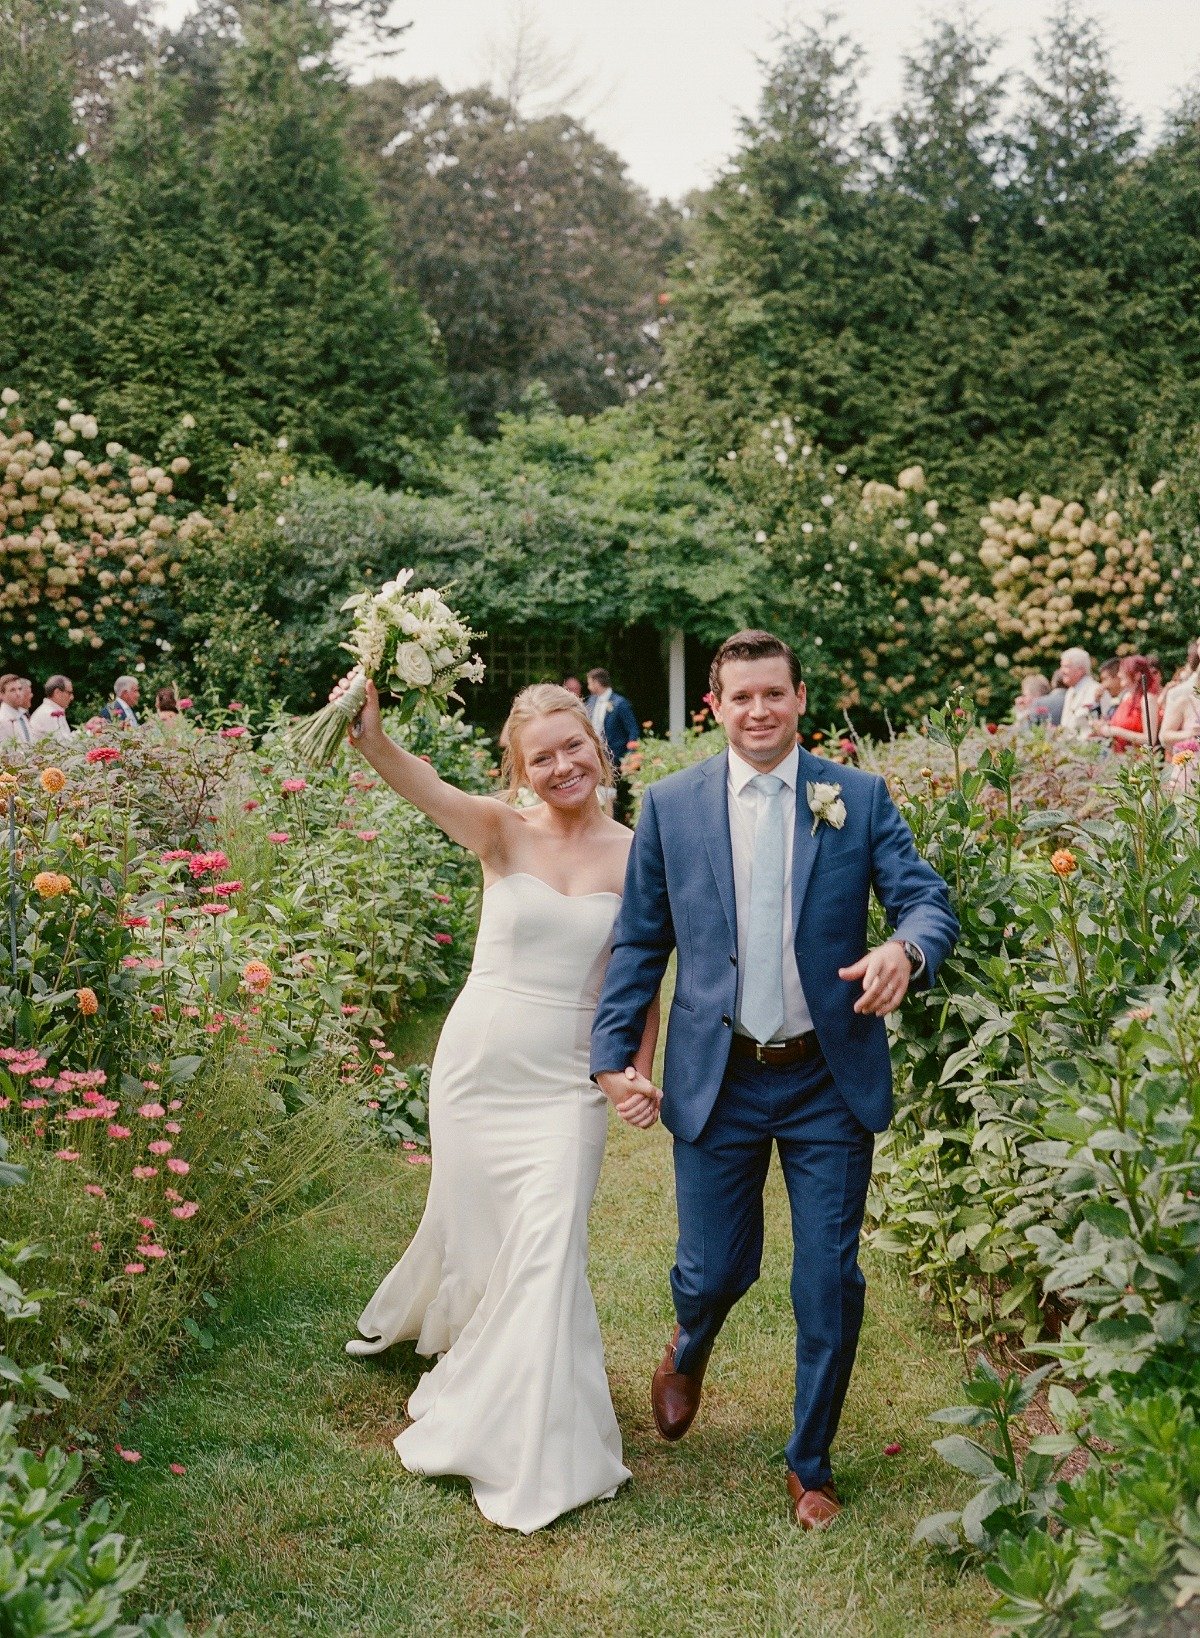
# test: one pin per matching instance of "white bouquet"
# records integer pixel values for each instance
(410, 643)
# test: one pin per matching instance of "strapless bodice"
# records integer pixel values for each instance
(544, 944)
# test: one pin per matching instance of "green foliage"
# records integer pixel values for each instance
(991, 286)
(523, 238)
(1017, 1493)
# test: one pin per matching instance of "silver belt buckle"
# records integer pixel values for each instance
(760, 1052)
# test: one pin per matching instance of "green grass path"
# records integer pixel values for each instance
(295, 1516)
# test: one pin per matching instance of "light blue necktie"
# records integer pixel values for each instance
(762, 983)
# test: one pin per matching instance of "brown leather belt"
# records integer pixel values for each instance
(781, 1054)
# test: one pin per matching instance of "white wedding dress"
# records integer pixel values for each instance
(495, 1279)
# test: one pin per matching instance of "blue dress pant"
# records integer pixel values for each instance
(825, 1153)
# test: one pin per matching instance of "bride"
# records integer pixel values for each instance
(495, 1279)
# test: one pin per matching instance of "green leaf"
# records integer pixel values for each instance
(967, 1456)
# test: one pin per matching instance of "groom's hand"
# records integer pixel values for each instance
(885, 973)
(635, 1098)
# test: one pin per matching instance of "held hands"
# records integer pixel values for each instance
(368, 725)
(635, 1098)
(885, 974)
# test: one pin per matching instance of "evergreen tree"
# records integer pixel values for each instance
(326, 350)
(161, 343)
(46, 235)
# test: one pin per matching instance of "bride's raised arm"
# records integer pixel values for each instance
(475, 822)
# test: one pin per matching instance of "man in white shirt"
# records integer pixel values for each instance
(1082, 695)
(14, 722)
(50, 718)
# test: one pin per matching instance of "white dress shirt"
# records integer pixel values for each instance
(598, 709)
(1077, 716)
(744, 801)
(49, 719)
(14, 724)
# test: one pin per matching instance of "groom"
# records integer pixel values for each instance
(757, 867)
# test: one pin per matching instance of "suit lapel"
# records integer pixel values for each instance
(713, 798)
(805, 846)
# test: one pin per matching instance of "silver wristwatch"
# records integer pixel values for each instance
(916, 956)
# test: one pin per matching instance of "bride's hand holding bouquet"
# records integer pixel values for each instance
(409, 642)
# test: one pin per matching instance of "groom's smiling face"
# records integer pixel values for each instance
(760, 709)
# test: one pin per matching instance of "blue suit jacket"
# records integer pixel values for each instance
(620, 726)
(679, 894)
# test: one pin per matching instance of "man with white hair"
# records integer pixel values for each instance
(50, 718)
(1082, 696)
(120, 709)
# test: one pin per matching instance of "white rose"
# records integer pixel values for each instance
(412, 666)
(443, 659)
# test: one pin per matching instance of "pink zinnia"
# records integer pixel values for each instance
(66, 1154)
(224, 889)
(178, 1467)
(235, 732)
(215, 909)
(366, 835)
(130, 1455)
(134, 1268)
(189, 1208)
(175, 1103)
(103, 753)
(443, 938)
(146, 1222)
(137, 921)
(172, 1126)
(151, 1111)
(172, 1194)
(34, 1103)
(95, 1189)
(144, 1173)
(291, 786)
(184, 705)
(97, 1245)
(179, 1167)
(116, 1131)
(201, 864)
(249, 807)
(152, 1251)
(442, 898)
(160, 1146)
(279, 836)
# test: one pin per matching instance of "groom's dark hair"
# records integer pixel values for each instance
(752, 645)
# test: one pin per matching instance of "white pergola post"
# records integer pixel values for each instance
(676, 687)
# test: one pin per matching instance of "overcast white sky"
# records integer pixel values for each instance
(669, 78)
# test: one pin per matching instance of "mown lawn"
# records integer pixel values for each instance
(295, 1516)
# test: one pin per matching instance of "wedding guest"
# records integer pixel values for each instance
(1029, 708)
(121, 708)
(1135, 720)
(166, 706)
(1054, 700)
(14, 722)
(573, 686)
(1082, 693)
(1110, 687)
(50, 718)
(613, 719)
(1180, 719)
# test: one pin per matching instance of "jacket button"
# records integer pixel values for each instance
(733, 960)
(727, 1020)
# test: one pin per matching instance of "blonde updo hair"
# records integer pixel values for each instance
(544, 700)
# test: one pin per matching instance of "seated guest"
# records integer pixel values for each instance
(1056, 699)
(120, 709)
(1110, 687)
(1179, 704)
(1030, 705)
(14, 721)
(1135, 720)
(1082, 692)
(50, 718)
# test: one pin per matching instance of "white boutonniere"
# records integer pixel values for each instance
(826, 805)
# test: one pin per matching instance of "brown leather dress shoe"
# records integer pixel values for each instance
(814, 1509)
(674, 1397)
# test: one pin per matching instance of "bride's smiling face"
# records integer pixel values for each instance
(562, 766)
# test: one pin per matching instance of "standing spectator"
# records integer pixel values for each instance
(1029, 708)
(1110, 687)
(613, 719)
(120, 709)
(573, 686)
(1135, 720)
(1082, 693)
(50, 718)
(1053, 701)
(166, 706)
(14, 723)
